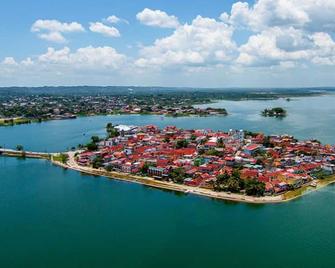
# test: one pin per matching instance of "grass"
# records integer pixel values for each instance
(306, 188)
(60, 158)
(295, 193)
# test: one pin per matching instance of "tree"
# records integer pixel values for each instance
(181, 144)
(144, 169)
(19, 147)
(236, 173)
(109, 168)
(91, 146)
(95, 139)
(220, 143)
(214, 152)
(233, 185)
(197, 162)
(112, 131)
(222, 178)
(177, 175)
(267, 142)
(97, 162)
(254, 187)
(64, 158)
(166, 140)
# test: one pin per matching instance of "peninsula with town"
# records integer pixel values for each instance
(235, 165)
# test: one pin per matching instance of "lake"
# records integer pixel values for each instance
(52, 217)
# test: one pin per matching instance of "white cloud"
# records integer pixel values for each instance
(204, 41)
(56, 37)
(86, 65)
(27, 62)
(313, 15)
(103, 29)
(157, 18)
(86, 57)
(295, 34)
(115, 20)
(9, 61)
(52, 30)
(280, 46)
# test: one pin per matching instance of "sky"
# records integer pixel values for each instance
(192, 43)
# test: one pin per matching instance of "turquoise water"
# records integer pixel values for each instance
(312, 117)
(50, 217)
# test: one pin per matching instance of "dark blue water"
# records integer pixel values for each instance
(50, 217)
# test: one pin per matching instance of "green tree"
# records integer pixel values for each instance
(64, 158)
(144, 169)
(97, 162)
(109, 168)
(92, 146)
(19, 147)
(181, 144)
(220, 143)
(112, 131)
(267, 142)
(177, 175)
(254, 187)
(222, 178)
(166, 140)
(233, 185)
(95, 139)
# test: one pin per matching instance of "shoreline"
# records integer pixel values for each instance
(170, 186)
(151, 182)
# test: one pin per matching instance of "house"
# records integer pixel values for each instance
(328, 168)
(252, 149)
(156, 171)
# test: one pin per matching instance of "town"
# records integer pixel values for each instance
(37, 108)
(27, 105)
(236, 161)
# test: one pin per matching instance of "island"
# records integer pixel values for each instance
(274, 112)
(235, 165)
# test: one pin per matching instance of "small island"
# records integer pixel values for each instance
(274, 112)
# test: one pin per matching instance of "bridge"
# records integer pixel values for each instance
(29, 154)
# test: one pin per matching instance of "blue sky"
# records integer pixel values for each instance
(214, 43)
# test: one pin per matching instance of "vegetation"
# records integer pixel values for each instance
(254, 187)
(19, 147)
(95, 139)
(26, 105)
(144, 169)
(274, 112)
(177, 175)
(111, 131)
(181, 144)
(233, 183)
(93, 146)
(63, 158)
(97, 162)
